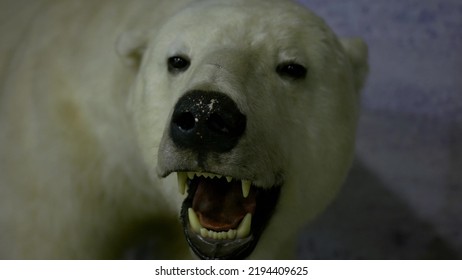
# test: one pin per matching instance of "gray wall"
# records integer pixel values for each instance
(403, 199)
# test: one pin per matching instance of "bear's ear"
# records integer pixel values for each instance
(357, 52)
(131, 46)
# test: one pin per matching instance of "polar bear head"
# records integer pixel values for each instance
(253, 104)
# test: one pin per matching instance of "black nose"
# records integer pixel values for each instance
(207, 121)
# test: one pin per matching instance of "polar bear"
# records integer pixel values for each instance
(216, 127)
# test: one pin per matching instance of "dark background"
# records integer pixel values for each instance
(403, 199)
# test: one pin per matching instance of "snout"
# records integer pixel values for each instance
(209, 145)
(206, 121)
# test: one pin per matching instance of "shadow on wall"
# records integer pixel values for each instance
(367, 221)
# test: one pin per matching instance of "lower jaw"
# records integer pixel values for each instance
(208, 249)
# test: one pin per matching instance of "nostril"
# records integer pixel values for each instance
(184, 121)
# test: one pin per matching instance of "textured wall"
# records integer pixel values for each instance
(404, 196)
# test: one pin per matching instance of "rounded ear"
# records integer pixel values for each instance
(130, 46)
(357, 52)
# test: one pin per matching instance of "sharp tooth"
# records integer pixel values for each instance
(191, 175)
(245, 188)
(194, 221)
(219, 176)
(229, 179)
(244, 227)
(182, 176)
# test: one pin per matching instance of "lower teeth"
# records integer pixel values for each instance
(230, 234)
(242, 231)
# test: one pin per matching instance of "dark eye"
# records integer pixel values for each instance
(178, 64)
(291, 70)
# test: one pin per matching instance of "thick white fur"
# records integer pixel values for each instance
(80, 130)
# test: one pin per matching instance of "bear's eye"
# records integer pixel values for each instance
(178, 64)
(291, 70)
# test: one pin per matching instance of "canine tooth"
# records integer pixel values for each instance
(244, 227)
(229, 179)
(194, 221)
(182, 176)
(245, 188)
(191, 175)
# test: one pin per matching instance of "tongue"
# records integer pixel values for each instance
(220, 205)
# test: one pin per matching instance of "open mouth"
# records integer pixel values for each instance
(224, 217)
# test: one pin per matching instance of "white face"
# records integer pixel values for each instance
(263, 98)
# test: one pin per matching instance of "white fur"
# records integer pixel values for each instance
(80, 131)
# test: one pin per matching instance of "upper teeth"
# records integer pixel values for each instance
(245, 188)
(181, 182)
(183, 176)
